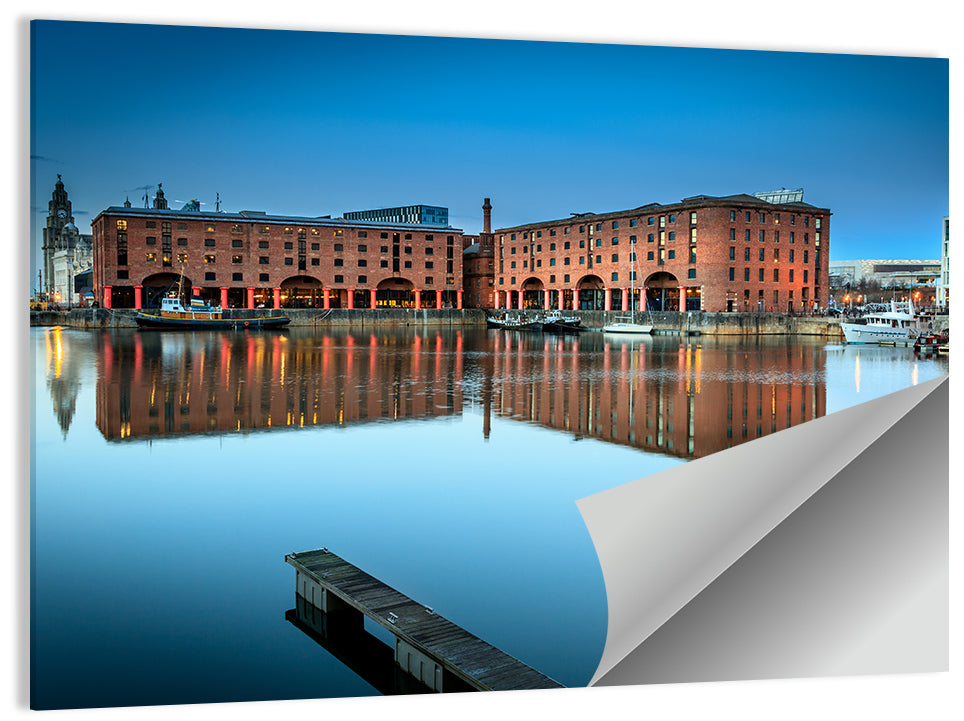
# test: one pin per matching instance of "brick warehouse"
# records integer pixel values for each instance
(251, 259)
(716, 254)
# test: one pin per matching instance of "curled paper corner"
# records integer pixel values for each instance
(867, 552)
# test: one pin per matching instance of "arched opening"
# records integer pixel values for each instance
(662, 292)
(302, 291)
(396, 293)
(532, 293)
(156, 287)
(591, 293)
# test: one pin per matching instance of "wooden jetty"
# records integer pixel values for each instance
(427, 646)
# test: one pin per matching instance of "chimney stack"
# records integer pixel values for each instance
(486, 216)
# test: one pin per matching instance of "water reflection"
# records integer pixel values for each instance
(685, 398)
(343, 635)
(63, 377)
(171, 384)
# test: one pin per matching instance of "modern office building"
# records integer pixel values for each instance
(885, 273)
(729, 253)
(250, 259)
(418, 214)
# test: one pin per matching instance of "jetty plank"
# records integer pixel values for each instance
(463, 654)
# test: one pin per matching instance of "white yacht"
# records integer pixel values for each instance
(892, 325)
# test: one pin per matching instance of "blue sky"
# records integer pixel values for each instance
(321, 123)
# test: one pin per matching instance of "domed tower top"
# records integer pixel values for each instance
(159, 202)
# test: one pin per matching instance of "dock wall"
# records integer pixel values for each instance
(695, 322)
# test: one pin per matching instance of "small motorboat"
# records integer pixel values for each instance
(556, 322)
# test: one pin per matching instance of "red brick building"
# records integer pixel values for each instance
(251, 259)
(731, 253)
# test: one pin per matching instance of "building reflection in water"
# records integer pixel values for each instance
(171, 384)
(684, 398)
(687, 399)
(63, 376)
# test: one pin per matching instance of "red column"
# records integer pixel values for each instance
(418, 299)
(374, 302)
(545, 303)
(351, 298)
(682, 298)
(625, 299)
(458, 299)
(250, 298)
(224, 297)
(607, 298)
(107, 293)
(575, 299)
(521, 303)
(562, 300)
(277, 297)
(137, 296)
(327, 299)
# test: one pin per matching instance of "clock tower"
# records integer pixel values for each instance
(58, 215)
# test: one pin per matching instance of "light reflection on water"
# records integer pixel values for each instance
(173, 471)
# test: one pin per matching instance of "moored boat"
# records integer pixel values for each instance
(892, 326)
(173, 315)
(628, 327)
(505, 322)
(932, 342)
(628, 324)
(556, 322)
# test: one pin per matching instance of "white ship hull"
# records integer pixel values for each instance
(627, 328)
(856, 333)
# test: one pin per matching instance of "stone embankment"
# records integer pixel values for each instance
(695, 322)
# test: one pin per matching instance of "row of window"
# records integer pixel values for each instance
(264, 245)
(266, 277)
(597, 227)
(761, 272)
(632, 276)
(614, 258)
(776, 236)
(776, 255)
(762, 218)
(302, 233)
